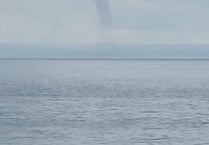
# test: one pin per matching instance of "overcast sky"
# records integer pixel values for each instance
(76, 21)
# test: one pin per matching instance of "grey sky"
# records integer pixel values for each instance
(76, 21)
(52, 23)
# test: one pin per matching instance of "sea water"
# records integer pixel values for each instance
(113, 102)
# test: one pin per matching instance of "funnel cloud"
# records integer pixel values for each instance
(103, 8)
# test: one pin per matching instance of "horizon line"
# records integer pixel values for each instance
(107, 59)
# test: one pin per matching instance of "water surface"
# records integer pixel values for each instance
(93, 102)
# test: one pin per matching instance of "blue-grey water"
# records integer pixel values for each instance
(94, 102)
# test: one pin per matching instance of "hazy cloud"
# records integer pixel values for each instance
(77, 22)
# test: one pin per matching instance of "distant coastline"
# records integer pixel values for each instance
(103, 51)
(105, 59)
